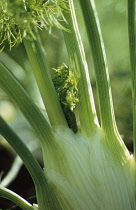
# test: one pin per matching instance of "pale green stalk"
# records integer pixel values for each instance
(12, 173)
(86, 107)
(12, 87)
(16, 166)
(15, 198)
(132, 47)
(107, 117)
(44, 82)
(91, 169)
(45, 195)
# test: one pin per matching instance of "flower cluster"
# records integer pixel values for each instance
(66, 87)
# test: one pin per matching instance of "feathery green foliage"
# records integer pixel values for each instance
(18, 18)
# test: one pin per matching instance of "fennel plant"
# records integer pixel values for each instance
(86, 163)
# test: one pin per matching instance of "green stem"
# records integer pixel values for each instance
(107, 117)
(132, 47)
(45, 195)
(44, 81)
(19, 201)
(12, 87)
(86, 107)
(12, 173)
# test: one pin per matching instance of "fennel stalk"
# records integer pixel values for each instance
(90, 168)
